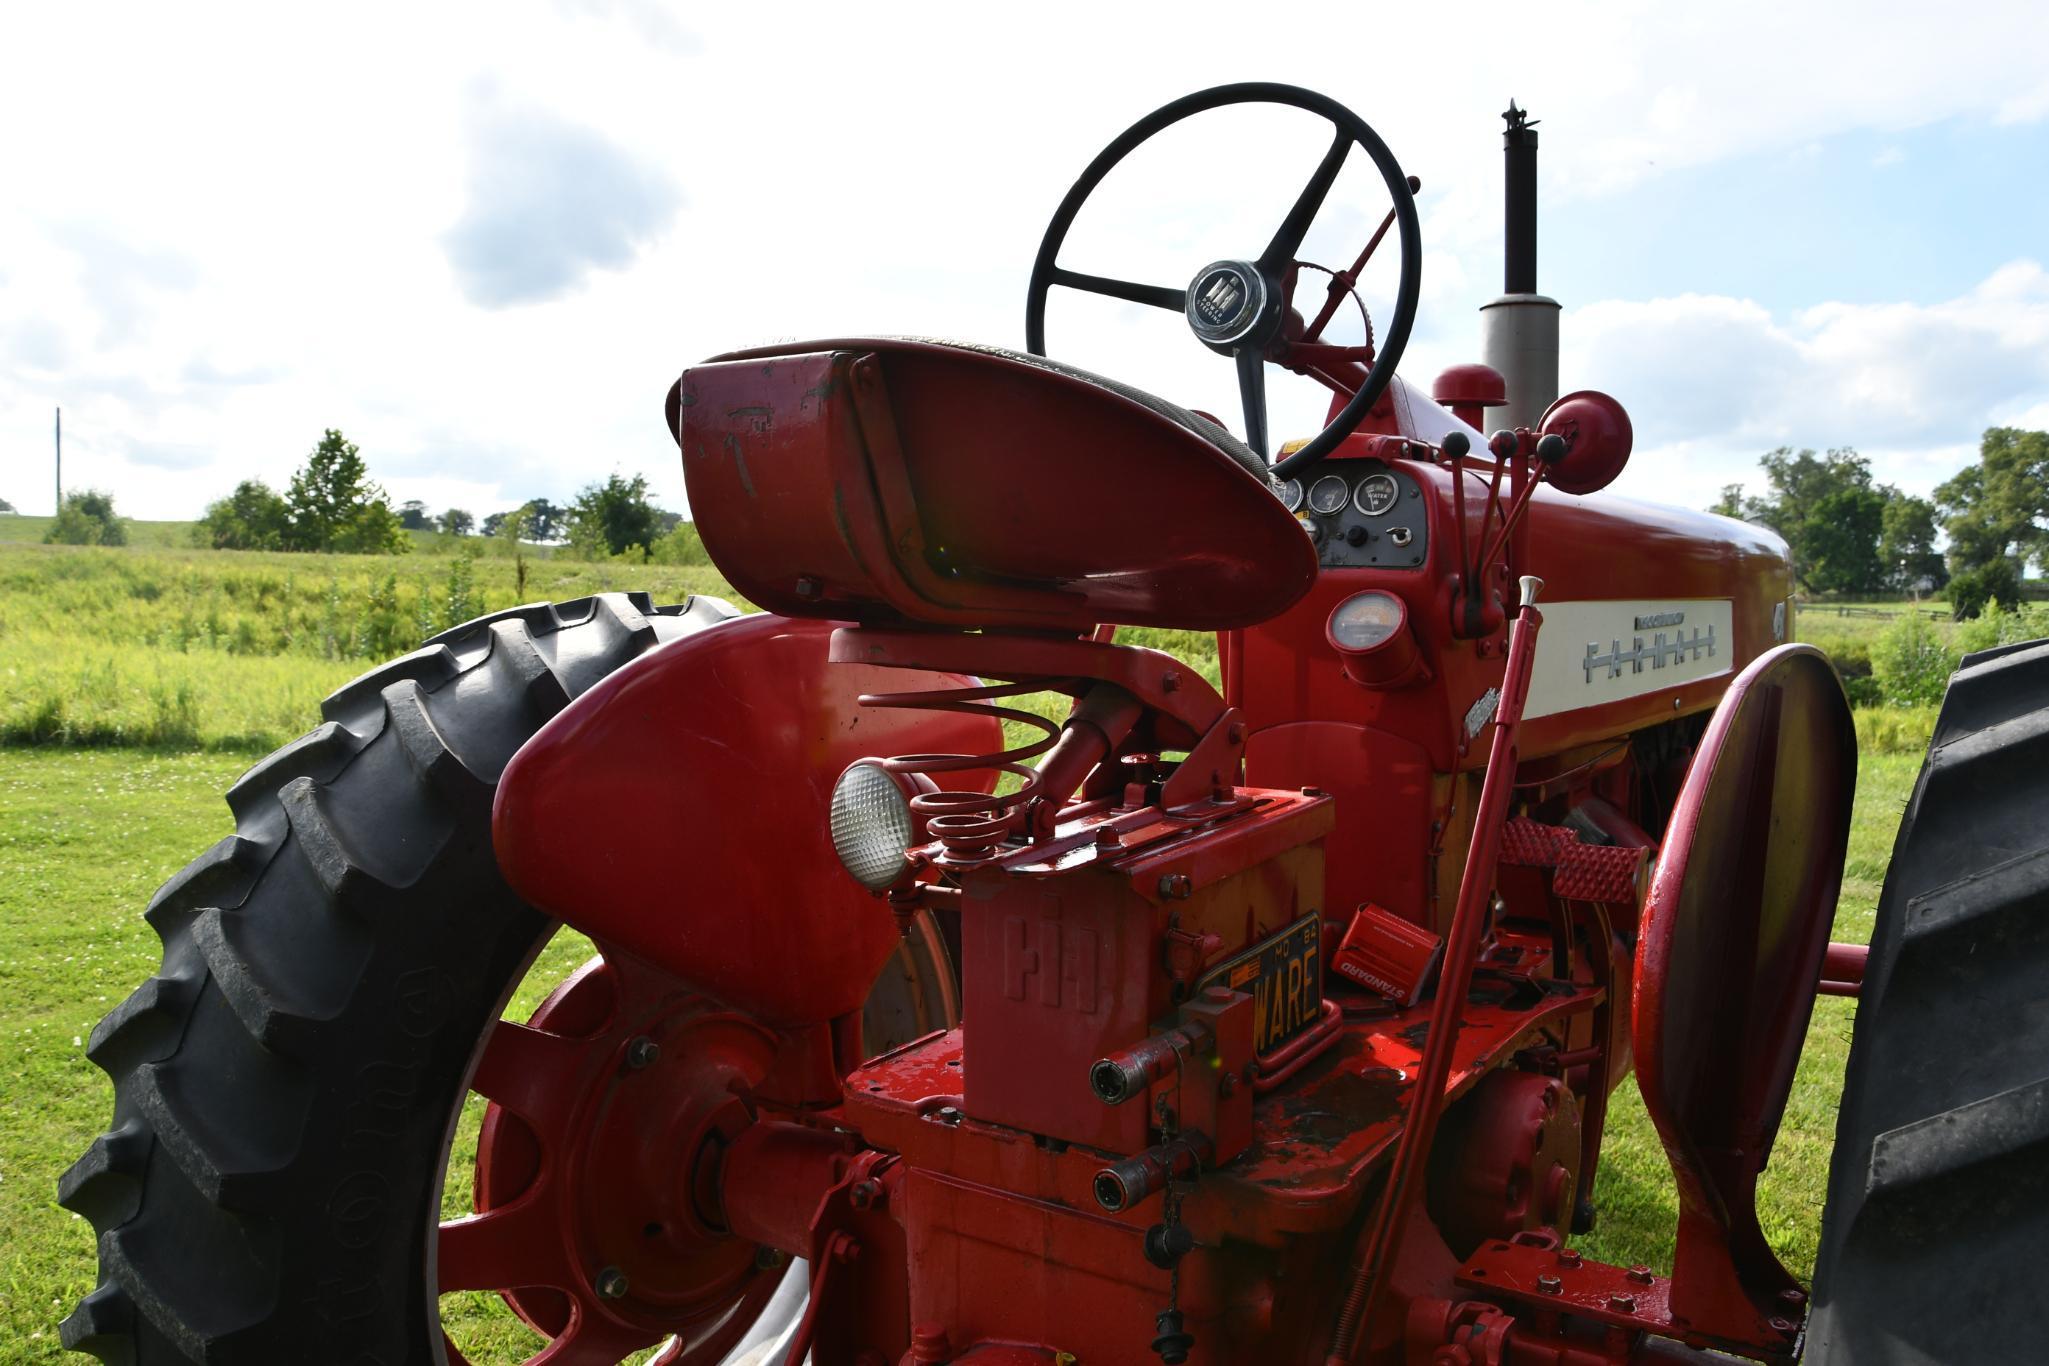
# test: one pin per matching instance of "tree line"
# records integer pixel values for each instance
(332, 504)
(1850, 534)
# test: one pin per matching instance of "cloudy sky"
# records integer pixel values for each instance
(482, 240)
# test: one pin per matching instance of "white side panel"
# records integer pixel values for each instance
(1603, 651)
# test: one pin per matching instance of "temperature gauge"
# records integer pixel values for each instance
(1376, 494)
(1327, 494)
(1289, 491)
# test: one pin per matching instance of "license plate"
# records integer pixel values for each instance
(1283, 974)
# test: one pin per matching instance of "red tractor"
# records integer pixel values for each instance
(1272, 1021)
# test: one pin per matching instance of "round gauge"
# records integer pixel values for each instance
(1327, 494)
(1376, 494)
(1289, 491)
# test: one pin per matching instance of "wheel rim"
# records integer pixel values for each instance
(596, 1216)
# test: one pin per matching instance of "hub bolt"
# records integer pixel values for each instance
(642, 1052)
(1550, 1285)
(1622, 1304)
(1641, 1275)
(1784, 1326)
(1567, 1256)
(611, 1284)
(1792, 1298)
(949, 1114)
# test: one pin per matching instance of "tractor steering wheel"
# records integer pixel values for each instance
(1240, 308)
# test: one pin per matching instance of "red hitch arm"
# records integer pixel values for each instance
(1382, 1243)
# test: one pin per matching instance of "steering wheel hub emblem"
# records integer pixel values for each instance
(1226, 300)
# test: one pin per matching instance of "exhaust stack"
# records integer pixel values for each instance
(1519, 330)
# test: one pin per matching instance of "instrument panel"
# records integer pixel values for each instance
(1362, 514)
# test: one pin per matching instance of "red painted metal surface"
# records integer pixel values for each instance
(1597, 438)
(1733, 938)
(583, 1221)
(873, 480)
(1380, 1246)
(706, 767)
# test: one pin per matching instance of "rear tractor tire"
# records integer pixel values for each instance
(1938, 1205)
(288, 1085)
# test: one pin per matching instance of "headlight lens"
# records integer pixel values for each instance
(871, 825)
(1364, 620)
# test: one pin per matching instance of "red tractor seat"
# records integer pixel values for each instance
(892, 480)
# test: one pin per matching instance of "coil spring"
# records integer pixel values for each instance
(969, 825)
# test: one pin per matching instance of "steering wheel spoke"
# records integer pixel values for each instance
(1252, 393)
(1159, 296)
(1287, 239)
(1243, 307)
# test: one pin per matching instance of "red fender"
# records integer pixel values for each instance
(1734, 933)
(678, 810)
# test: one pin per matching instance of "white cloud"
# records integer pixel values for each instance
(1713, 382)
(265, 198)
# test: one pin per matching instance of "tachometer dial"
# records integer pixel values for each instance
(1327, 494)
(1376, 494)
(1289, 491)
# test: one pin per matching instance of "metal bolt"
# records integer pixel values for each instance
(1567, 1256)
(1107, 837)
(1793, 1298)
(1784, 1326)
(949, 1114)
(641, 1052)
(1550, 1285)
(1176, 886)
(1170, 681)
(1622, 1304)
(864, 1194)
(611, 1284)
(807, 587)
(1235, 733)
(769, 1258)
(1227, 1085)
(1640, 1274)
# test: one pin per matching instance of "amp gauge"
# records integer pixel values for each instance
(1289, 491)
(1376, 494)
(1327, 494)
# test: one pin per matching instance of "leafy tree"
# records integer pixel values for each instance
(87, 518)
(1906, 545)
(253, 517)
(1970, 590)
(412, 515)
(6, 507)
(2000, 506)
(456, 522)
(1828, 511)
(514, 526)
(611, 517)
(547, 522)
(335, 505)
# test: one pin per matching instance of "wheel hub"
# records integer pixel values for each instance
(597, 1214)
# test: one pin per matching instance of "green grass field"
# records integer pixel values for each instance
(136, 683)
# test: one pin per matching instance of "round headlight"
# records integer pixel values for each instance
(871, 825)
(1364, 620)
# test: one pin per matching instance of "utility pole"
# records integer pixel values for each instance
(60, 464)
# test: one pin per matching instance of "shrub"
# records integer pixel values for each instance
(87, 518)
(1970, 589)
(253, 517)
(1911, 662)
